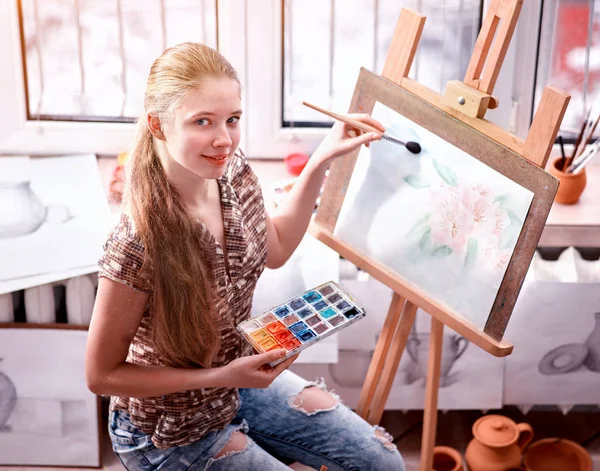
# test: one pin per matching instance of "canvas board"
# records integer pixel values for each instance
(389, 219)
(55, 218)
(442, 220)
(48, 415)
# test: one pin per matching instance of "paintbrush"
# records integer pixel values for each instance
(569, 160)
(412, 146)
(585, 158)
(586, 140)
(563, 158)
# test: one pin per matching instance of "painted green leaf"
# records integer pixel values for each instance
(416, 181)
(514, 219)
(427, 246)
(441, 251)
(446, 173)
(500, 199)
(420, 227)
(509, 237)
(472, 251)
(425, 243)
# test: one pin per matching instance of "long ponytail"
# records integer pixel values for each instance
(185, 328)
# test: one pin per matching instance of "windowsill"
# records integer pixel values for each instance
(576, 224)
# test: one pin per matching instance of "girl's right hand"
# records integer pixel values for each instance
(254, 371)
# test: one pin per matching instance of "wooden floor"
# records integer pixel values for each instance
(454, 429)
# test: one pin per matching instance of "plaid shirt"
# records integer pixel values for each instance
(184, 417)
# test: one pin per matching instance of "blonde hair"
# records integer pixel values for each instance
(185, 329)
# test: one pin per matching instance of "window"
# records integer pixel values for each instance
(569, 57)
(88, 60)
(327, 42)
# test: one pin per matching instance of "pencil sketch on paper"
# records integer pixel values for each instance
(554, 364)
(442, 220)
(47, 415)
(55, 202)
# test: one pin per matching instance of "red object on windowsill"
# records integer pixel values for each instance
(295, 163)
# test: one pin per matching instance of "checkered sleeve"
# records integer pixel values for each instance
(123, 259)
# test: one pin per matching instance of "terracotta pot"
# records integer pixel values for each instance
(571, 184)
(446, 459)
(498, 444)
(557, 454)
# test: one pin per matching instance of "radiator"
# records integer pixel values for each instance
(70, 301)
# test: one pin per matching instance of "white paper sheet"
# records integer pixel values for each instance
(55, 418)
(550, 326)
(69, 241)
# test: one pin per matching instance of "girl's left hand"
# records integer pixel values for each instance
(344, 138)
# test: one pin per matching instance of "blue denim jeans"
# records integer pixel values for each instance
(278, 431)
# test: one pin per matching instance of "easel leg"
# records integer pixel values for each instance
(393, 360)
(379, 357)
(431, 395)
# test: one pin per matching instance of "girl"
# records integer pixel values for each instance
(178, 274)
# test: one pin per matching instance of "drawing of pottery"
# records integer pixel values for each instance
(23, 212)
(8, 399)
(563, 359)
(592, 343)
(453, 346)
(569, 357)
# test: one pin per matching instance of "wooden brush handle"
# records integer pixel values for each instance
(345, 119)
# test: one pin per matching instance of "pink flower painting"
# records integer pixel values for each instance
(467, 220)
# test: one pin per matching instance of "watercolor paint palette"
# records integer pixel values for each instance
(302, 321)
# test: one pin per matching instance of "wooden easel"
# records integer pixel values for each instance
(466, 101)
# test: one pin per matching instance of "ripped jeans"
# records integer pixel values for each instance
(277, 431)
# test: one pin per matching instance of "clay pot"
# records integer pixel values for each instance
(571, 184)
(498, 444)
(557, 454)
(446, 459)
